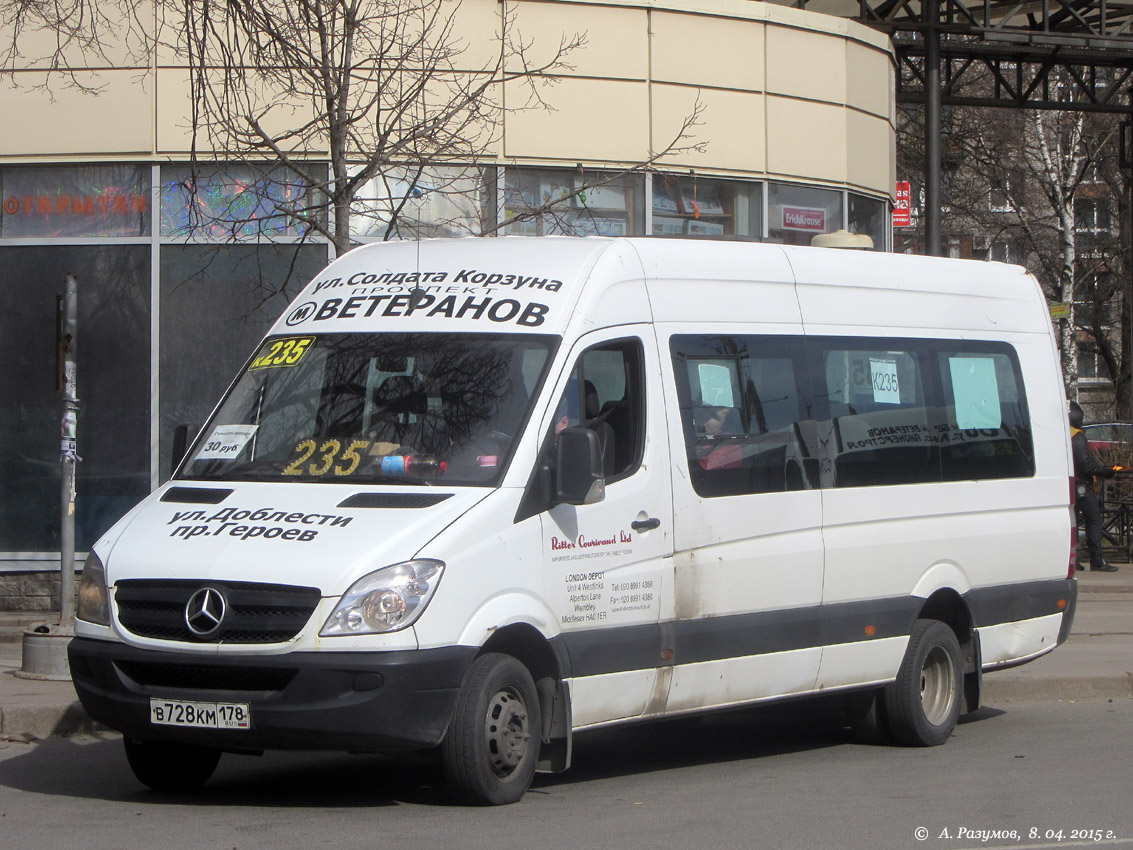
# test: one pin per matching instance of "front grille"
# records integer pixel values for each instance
(254, 613)
(206, 678)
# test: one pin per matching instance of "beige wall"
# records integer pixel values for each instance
(49, 119)
(787, 94)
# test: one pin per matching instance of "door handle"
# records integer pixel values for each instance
(645, 524)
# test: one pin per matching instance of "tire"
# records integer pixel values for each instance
(170, 767)
(492, 744)
(923, 704)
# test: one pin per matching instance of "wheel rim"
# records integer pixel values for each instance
(507, 731)
(938, 686)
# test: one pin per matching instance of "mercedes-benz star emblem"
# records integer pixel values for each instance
(204, 611)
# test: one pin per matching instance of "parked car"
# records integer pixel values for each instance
(1109, 435)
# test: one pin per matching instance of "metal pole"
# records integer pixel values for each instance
(45, 646)
(69, 453)
(1125, 162)
(931, 15)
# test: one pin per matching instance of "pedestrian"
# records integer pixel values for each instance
(1085, 470)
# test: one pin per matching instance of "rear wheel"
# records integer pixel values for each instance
(923, 704)
(492, 743)
(170, 767)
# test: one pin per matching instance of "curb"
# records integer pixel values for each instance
(30, 723)
(1020, 688)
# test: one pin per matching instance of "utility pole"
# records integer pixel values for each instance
(69, 453)
(930, 12)
(45, 645)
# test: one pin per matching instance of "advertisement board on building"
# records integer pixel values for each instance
(809, 219)
(902, 214)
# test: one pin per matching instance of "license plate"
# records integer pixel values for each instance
(200, 715)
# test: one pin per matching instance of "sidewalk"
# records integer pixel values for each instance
(1097, 662)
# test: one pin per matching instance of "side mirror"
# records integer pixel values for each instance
(182, 438)
(579, 474)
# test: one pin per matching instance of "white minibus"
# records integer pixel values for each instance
(469, 497)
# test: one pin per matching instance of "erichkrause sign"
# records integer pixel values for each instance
(809, 219)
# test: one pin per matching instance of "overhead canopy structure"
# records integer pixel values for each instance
(1020, 47)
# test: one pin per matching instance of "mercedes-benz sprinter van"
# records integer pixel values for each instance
(473, 496)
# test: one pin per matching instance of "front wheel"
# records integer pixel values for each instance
(170, 767)
(923, 704)
(492, 744)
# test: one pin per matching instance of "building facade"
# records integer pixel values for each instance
(180, 269)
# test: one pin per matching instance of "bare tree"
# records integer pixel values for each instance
(1107, 292)
(389, 91)
(1018, 178)
(364, 88)
(65, 32)
(355, 113)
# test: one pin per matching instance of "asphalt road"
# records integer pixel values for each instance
(1017, 775)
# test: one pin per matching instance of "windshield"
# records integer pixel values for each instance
(391, 408)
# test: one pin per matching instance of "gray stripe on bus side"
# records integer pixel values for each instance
(620, 649)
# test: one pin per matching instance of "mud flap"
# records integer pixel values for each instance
(973, 673)
(555, 752)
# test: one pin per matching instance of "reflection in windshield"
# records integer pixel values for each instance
(418, 408)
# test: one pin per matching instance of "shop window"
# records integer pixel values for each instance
(217, 301)
(867, 215)
(406, 203)
(113, 387)
(75, 201)
(715, 209)
(796, 214)
(226, 202)
(572, 203)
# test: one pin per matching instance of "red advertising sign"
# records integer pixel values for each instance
(902, 214)
(804, 218)
(85, 200)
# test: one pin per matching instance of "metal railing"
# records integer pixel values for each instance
(1116, 501)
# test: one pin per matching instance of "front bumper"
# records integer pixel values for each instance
(357, 701)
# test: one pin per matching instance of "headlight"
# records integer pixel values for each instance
(94, 604)
(385, 600)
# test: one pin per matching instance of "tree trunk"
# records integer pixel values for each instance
(1066, 287)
